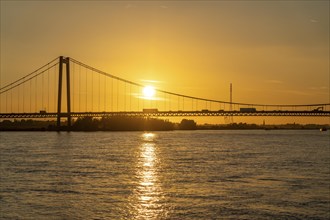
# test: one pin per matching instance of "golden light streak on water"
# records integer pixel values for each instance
(148, 192)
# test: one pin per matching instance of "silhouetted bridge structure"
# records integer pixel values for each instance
(166, 114)
(90, 92)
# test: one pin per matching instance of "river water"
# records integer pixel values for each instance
(165, 175)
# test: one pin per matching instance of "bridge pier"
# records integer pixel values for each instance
(63, 61)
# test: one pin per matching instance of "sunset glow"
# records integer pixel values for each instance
(165, 109)
(272, 52)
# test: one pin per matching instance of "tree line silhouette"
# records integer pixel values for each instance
(113, 123)
(126, 123)
(121, 123)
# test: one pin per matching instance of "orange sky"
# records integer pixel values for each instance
(273, 52)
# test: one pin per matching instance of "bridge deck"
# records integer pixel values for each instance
(167, 114)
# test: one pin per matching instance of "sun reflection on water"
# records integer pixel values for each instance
(148, 192)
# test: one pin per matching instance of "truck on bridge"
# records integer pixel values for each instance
(150, 110)
(247, 109)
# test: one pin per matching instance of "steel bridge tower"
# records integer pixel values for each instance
(63, 61)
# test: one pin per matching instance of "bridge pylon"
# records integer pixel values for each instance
(63, 61)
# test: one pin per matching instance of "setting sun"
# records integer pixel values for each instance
(149, 91)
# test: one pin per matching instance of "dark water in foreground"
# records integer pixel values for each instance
(165, 175)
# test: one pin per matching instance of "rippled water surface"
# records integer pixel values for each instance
(165, 175)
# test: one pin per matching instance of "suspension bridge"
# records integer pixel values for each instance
(67, 88)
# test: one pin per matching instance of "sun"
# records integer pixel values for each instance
(149, 91)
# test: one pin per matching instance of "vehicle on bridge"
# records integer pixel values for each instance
(42, 112)
(247, 109)
(205, 110)
(150, 110)
(318, 109)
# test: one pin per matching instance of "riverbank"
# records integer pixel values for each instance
(143, 124)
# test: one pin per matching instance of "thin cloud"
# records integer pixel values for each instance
(297, 92)
(274, 81)
(134, 6)
(130, 6)
(319, 88)
(150, 81)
